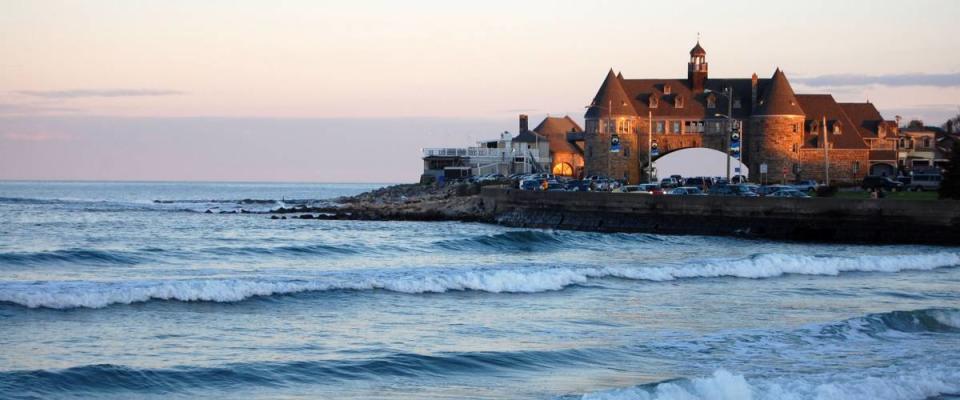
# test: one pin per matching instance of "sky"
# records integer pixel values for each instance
(351, 91)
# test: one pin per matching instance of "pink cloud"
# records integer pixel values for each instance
(36, 137)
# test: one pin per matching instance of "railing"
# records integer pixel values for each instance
(477, 152)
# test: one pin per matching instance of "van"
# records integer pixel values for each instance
(923, 182)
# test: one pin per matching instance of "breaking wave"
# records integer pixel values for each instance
(538, 240)
(915, 384)
(73, 294)
(73, 256)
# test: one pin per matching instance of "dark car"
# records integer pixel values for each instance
(732, 190)
(698, 181)
(881, 182)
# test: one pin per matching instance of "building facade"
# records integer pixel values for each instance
(789, 136)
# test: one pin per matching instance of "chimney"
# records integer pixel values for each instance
(754, 83)
(523, 123)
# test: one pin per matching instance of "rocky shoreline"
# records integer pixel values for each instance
(405, 202)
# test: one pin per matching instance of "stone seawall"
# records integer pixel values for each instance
(816, 219)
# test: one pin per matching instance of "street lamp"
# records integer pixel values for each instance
(728, 116)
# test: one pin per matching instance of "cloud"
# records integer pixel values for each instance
(24, 108)
(938, 80)
(34, 137)
(79, 93)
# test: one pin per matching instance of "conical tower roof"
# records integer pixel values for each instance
(779, 99)
(611, 99)
(698, 50)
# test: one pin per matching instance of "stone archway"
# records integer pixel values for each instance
(883, 169)
(696, 161)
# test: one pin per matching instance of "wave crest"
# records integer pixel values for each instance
(72, 294)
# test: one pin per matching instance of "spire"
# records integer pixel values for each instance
(698, 50)
(779, 98)
(611, 99)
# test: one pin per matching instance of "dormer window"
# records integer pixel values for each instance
(666, 89)
(678, 102)
(654, 101)
(836, 129)
(711, 101)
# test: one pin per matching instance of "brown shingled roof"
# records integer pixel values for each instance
(555, 129)
(779, 98)
(611, 95)
(818, 106)
(698, 50)
(865, 116)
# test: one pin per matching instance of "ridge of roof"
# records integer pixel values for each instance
(779, 98)
(611, 99)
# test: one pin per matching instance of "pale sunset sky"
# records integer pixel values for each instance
(351, 91)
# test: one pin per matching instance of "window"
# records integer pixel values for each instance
(678, 102)
(666, 89)
(856, 166)
(654, 101)
(926, 142)
(660, 126)
(795, 147)
(675, 127)
(796, 127)
(836, 129)
(711, 101)
(736, 103)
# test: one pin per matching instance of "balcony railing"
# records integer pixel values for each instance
(477, 152)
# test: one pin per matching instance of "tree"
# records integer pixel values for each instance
(950, 186)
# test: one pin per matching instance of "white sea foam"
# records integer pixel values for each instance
(947, 317)
(72, 294)
(914, 384)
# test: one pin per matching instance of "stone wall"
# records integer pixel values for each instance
(846, 166)
(772, 140)
(816, 219)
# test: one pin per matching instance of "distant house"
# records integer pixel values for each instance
(566, 156)
(526, 153)
(919, 147)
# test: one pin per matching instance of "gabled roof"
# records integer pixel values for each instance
(695, 104)
(819, 106)
(555, 129)
(778, 98)
(528, 136)
(865, 116)
(611, 99)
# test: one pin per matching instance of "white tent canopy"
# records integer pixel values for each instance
(697, 161)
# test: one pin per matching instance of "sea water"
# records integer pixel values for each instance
(134, 290)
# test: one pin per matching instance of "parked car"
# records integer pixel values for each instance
(698, 181)
(790, 193)
(686, 190)
(925, 181)
(651, 188)
(881, 182)
(668, 183)
(771, 189)
(732, 190)
(808, 185)
(530, 184)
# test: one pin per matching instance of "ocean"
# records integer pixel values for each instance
(134, 290)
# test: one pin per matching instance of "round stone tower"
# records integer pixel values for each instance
(776, 131)
(611, 113)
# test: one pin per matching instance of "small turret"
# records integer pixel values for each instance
(697, 68)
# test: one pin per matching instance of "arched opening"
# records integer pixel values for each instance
(562, 169)
(882, 169)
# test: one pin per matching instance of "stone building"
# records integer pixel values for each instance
(566, 156)
(780, 129)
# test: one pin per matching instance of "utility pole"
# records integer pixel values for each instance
(726, 140)
(826, 154)
(649, 146)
